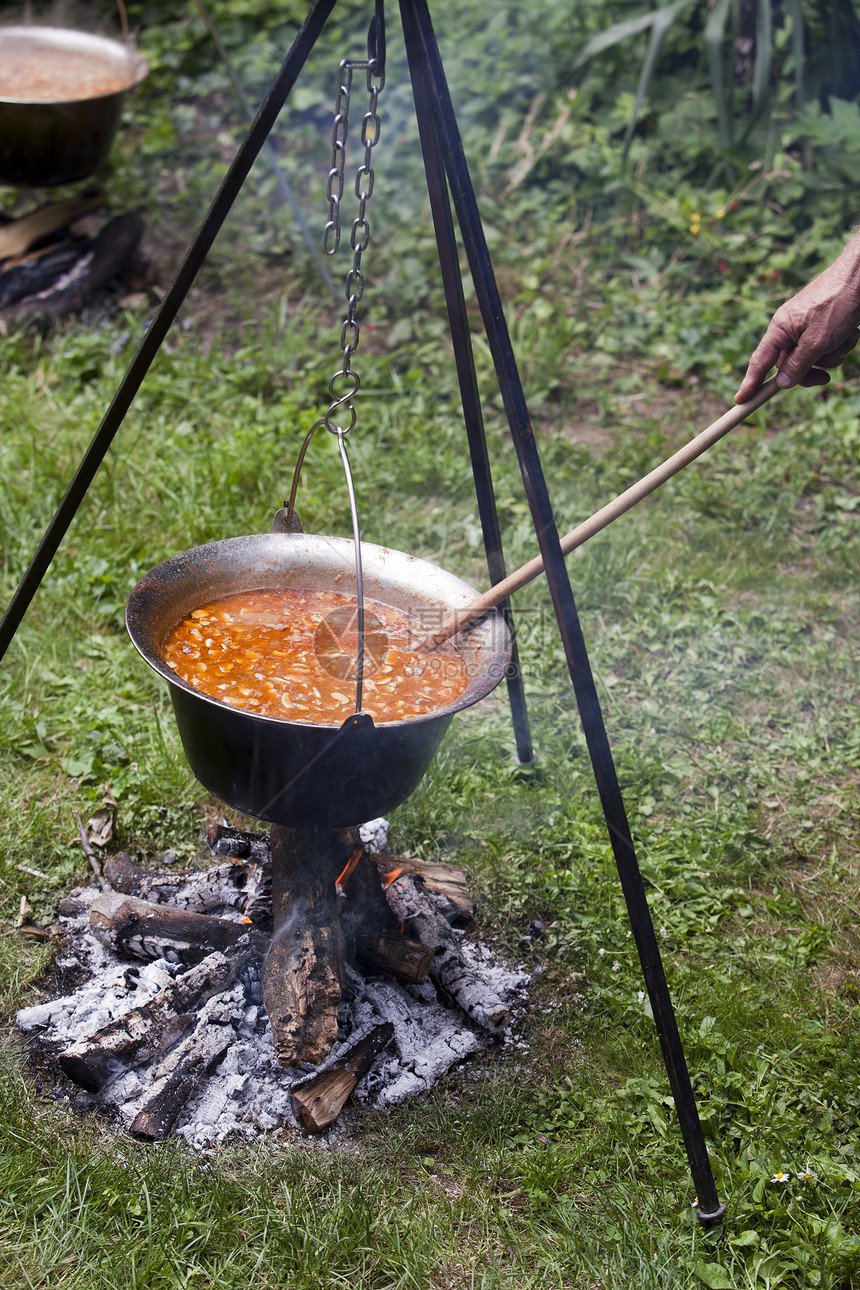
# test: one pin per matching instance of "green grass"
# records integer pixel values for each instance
(721, 618)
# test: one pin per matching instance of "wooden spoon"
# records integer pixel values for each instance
(459, 619)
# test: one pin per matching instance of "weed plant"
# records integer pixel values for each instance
(721, 616)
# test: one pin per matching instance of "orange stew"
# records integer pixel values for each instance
(292, 654)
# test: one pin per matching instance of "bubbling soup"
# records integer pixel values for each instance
(291, 654)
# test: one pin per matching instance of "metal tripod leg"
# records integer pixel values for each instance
(431, 92)
(458, 323)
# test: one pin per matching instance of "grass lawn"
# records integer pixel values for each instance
(722, 618)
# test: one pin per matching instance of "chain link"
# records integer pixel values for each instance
(359, 236)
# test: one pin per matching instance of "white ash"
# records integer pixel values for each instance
(248, 1092)
(374, 835)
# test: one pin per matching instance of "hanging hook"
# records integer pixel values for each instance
(290, 506)
(376, 40)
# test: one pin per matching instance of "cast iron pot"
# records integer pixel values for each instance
(292, 772)
(58, 143)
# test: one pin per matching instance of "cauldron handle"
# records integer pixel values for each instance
(286, 520)
(359, 579)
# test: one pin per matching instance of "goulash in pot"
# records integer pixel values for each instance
(292, 654)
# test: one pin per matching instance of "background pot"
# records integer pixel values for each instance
(60, 142)
(298, 773)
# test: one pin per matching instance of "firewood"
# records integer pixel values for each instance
(17, 237)
(372, 933)
(27, 276)
(400, 956)
(235, 885)
(151, 931)
(107, 255)
(176, 1078)
(450, 970)
(144, 1032)
(303, 971)
(364, 911)
(445, 881)
(318, 1101)
(225, 840)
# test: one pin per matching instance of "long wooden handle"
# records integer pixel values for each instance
(458, 619)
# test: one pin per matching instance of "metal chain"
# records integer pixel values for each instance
(350, 332)
(345, 383)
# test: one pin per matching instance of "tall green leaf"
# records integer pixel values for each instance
(662, 21)
(714, 35)
(763, 55)
(794, 9)
(621, 31)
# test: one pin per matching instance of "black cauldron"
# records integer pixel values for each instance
(292, 772)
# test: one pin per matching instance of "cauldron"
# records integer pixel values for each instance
(44, 143)
(291, 772)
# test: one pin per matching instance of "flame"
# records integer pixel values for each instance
(388, 878)
(344, 876)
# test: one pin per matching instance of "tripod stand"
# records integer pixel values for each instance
(451, 196)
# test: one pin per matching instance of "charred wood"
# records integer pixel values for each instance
(363, 908)
(124, 875)
(371, 931)
(423, 1057)
(225, 840)
(303, 971)
(176, 1078)
(446, 882)
(235, 886)
(450, 970)
(144, 1032)
(399, 956)
(109, 253)
(149, 931)
(319, 1100)
(34, 272)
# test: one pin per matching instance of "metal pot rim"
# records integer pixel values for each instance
(458, 594)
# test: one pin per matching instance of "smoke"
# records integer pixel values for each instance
(107, 19)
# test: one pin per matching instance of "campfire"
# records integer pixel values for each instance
(302, 968)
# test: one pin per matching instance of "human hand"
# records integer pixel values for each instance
(814, 330)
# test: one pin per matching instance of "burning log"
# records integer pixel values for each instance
(29, 275)
(319, 1100)
(130, 1027)
(144, 1032)
(235, 885)
(372, 932)
(303, 971)
(446, 882)
(450, 969)
(150, 931)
